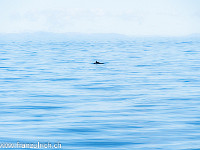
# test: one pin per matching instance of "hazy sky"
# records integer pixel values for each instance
(132, 17)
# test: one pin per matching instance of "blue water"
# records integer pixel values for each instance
(145, 97)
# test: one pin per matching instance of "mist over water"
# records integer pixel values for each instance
(144, 96)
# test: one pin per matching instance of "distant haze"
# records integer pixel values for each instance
(130, 17)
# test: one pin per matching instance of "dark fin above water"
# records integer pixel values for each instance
(98, 62)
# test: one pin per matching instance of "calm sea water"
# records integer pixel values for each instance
(145, 97)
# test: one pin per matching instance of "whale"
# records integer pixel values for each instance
(97, 62)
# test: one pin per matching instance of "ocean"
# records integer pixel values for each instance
(146, 95)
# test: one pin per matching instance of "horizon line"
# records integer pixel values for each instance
(84, 33)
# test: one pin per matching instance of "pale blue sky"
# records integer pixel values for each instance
(131, 17)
